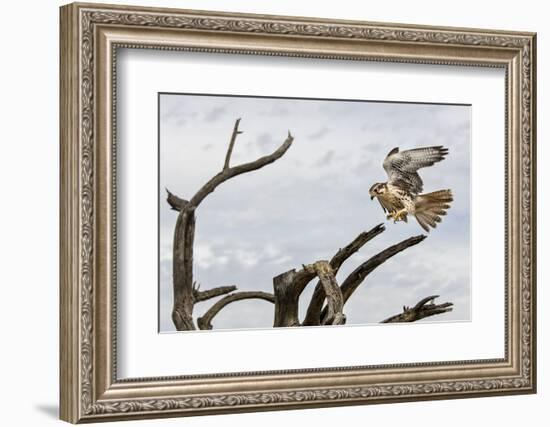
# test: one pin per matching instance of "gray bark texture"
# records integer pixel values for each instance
(326, 306)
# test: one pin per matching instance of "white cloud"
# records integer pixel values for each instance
(319, 133)
(214, 114)
(284, 259)
(204, 256)
(246, 258)
(325, 159)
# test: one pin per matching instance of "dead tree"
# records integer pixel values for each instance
(327, 303)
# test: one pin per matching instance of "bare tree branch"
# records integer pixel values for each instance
(300, 279)
(231, 172)
(199, 295)
(424, 308)
(205, 322)
(335, 301)
(287, 289)
(236, 132)
(313, 314)
(357, 276)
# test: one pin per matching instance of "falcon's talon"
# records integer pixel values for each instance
(399, 215)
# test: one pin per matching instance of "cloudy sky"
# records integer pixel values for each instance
(312, 201)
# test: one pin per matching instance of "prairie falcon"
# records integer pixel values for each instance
(400, 195)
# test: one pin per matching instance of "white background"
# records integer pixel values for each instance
(145, 353)
(29, 218)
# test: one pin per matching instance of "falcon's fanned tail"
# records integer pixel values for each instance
(430, 207)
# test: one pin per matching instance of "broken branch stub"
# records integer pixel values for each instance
(176, 203)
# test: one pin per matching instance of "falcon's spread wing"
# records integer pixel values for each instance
(402, 167)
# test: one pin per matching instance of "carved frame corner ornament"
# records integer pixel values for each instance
(90, 36)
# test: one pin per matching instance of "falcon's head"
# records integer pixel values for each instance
(378, 189)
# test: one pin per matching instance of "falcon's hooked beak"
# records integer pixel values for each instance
(371, 197)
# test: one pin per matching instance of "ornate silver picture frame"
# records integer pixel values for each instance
(92, 37)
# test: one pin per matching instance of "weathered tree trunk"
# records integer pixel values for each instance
(286, 300)
(182, 272)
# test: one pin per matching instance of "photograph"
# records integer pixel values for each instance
(286, 212)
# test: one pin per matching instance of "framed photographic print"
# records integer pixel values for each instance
(267, 212)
